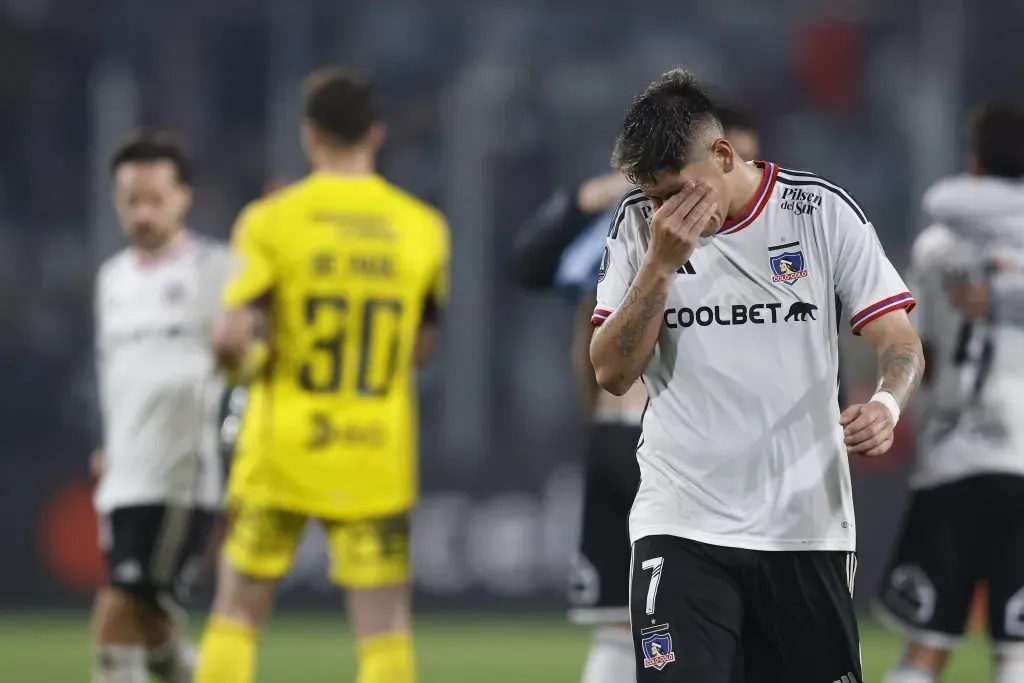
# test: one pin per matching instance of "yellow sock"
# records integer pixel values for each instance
(227, 653)
(386, 658)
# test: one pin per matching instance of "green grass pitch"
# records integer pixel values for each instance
(38, 648)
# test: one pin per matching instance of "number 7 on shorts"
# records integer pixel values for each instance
(655, 564)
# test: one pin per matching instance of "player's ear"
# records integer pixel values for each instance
(377, 134)
(723, 154)
(185, 198)
(307, 135)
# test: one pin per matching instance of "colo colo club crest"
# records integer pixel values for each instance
(788, 266)
(658, 651)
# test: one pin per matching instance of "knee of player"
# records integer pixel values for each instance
(243, 599)
(118, 602)
(381, 610)
(240, 612)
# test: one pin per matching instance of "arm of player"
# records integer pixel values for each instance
(238, 335)
(622, 346)
(238, 341)
(436, 297)
(869, 427)
(429, 333)
(96, 458)
(868, 284)
(624, 341)
(998, 298)
(900, 355)
(546, 235)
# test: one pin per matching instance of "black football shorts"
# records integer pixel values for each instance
(709, 614)
(954, 537)
(156, 552)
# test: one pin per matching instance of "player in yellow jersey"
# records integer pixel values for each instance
(352, 274)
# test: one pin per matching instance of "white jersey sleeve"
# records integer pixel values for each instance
(98, 354)
(623, 251)
(865, 280)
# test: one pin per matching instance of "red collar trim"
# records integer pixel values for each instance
(757, 202)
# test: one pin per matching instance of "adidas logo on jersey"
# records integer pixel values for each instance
(686, 269)
(738, 314)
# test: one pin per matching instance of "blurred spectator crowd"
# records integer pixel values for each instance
(837, 91)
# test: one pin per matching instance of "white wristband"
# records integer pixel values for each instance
(890, 402)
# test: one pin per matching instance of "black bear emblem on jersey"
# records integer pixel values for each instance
(800, 312)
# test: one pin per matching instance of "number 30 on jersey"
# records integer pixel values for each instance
(378, 343)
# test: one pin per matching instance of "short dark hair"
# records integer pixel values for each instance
(996, 138)
(148, 147)
(734, 118)
(340, 104)
(667, 125)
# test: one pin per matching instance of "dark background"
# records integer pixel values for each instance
(490, 105)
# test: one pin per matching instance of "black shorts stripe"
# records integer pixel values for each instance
(170, 544)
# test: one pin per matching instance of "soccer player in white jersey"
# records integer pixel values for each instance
(965, 522)
(719, 290)
(561, 248)
(160, 478)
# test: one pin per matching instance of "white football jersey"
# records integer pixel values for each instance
(158, 382)
(973, 404)
(742, 445)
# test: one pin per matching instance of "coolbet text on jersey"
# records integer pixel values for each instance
(348, 267)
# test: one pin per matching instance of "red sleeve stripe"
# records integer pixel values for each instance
(875, 311)
(600, 315)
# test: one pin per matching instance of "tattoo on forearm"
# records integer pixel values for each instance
(636, 312)
(902, 366)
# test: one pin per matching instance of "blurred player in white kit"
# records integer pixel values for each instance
(965, 523)
(158, 466)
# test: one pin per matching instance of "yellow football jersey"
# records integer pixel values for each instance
(348, 265)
